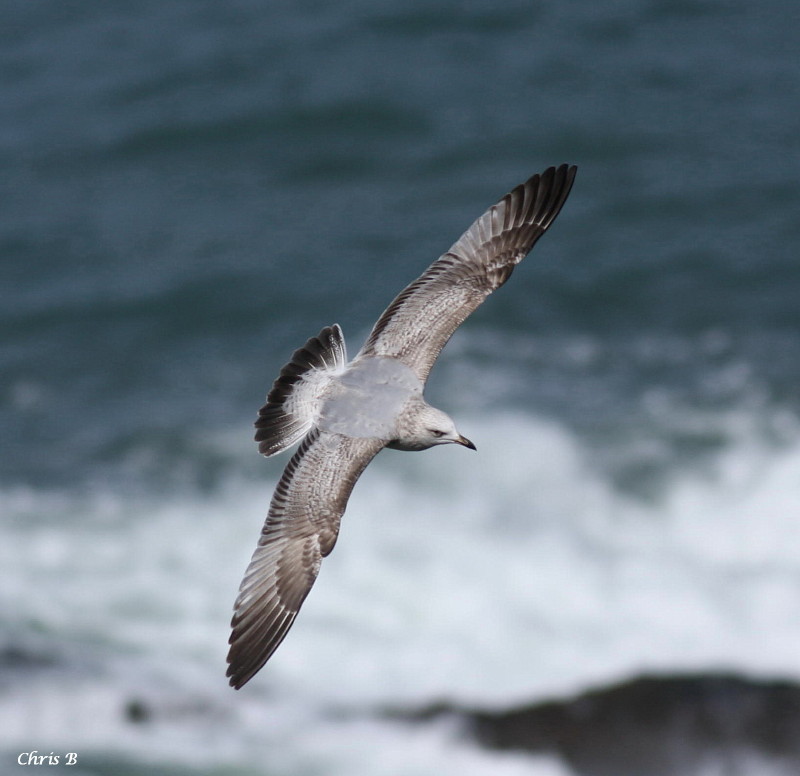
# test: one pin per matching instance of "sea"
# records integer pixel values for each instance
(191, 189)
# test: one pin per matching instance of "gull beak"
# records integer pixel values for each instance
(462, 440)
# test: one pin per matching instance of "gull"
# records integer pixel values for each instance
(345, 413)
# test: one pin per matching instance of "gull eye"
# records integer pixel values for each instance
(436, 433)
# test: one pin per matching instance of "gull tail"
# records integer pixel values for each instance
(293, 403)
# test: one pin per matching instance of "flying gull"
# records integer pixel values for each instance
(345, 413)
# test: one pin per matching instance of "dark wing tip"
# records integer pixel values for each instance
(528, 211)
(563, 178)
(252, 645)
(237, 682)
(545, 194)
(238, 677)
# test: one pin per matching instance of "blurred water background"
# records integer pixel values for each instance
(191, 189)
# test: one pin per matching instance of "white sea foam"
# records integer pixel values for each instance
(499, 577)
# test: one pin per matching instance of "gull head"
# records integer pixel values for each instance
(424, 427)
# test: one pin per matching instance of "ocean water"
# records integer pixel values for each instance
(190, 190)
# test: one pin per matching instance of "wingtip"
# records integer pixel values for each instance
(563, 175)
(239, 677)
(236, 683)
(545, 193)
(569, 171)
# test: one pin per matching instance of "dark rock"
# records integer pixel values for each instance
(653, 726)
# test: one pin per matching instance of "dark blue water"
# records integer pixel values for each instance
(181, 194)
(191, 189)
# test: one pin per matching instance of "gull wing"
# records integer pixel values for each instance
(301, 529)
(422, 318)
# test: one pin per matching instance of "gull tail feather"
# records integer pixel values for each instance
(293, 402)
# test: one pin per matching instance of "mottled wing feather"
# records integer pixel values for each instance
(301, 529)
(422, 318)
